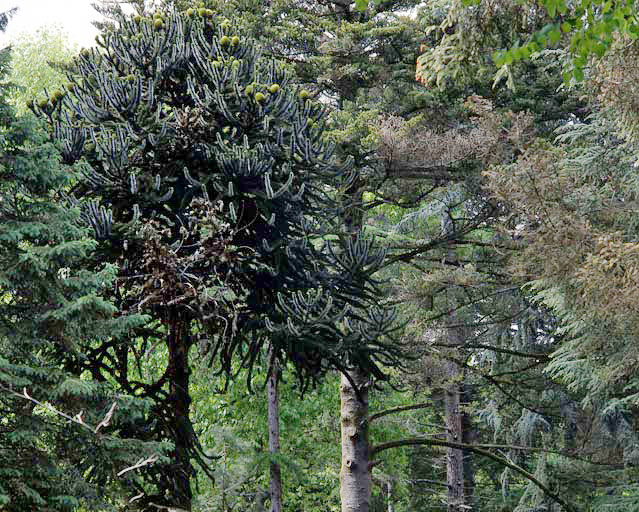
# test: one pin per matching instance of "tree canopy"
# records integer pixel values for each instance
(322, 255)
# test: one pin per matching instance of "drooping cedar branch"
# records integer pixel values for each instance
(480, 450)
(531, 355)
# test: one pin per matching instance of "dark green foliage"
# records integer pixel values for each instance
(53, 456)
(49, 312)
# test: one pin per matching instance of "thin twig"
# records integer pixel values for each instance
(140, 464)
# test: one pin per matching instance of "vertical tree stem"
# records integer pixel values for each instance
(178, 347)
(274, 433)
(453, 416)
(355, 475)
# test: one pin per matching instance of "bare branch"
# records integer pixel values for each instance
(25, 395)
(168, 509)
(106, 421)
(79, 420)
(140, 464)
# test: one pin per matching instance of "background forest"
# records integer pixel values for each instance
(321, 255)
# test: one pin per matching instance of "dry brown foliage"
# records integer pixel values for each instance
(408, 149)
(554, 238)
(563, 243)
(616, 85)
(403, 146)
(608, 279)
(193, 274)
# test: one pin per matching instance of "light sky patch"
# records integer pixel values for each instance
(74, 16)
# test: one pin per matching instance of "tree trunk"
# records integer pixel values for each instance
(179, 400)
(260, 499)
(274, 434)
(453, 420)
(455, 458)
(355, 476)
(469, 436)
(223, 482)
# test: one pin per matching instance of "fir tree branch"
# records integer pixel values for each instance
(486, 446)
(521, 370)
(105, 422)
(479, 449)
(400, 408)
(531, 355)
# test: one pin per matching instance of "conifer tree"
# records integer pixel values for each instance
(208, 181)
(62, 439)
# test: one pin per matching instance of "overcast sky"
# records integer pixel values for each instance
(74, 16)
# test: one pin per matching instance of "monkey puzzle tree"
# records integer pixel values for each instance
(208, 181)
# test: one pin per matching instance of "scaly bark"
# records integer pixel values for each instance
(453, 420)
(355, 475)
(469, 436)
(180, 424)
(454, 457)
(274, 434)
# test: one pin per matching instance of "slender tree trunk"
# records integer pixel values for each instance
(355, 475)
(260, 499)
(180, 424)
(455, 458)
(469, 436)
(453, 419)
(223, 482)
(274, 434)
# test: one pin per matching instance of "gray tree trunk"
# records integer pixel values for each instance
(274, 434)
(355, 475)
(454, 420)
(469, 436)
(454, 457)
